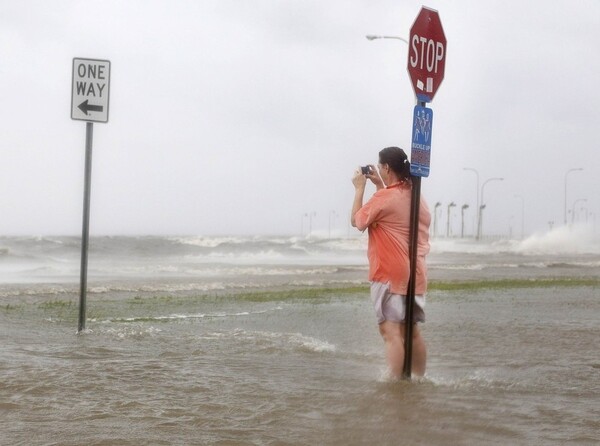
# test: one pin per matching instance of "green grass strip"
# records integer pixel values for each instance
(64, 308)
(297, 293)
(514, 283)
(324, 292)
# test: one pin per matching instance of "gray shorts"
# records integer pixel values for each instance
(391, 307)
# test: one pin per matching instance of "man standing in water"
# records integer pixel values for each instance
(387, 216)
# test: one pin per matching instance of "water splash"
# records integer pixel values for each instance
(576, 239)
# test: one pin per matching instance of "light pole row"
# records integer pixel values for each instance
(332, 216)
(449, 209)
(480, 205)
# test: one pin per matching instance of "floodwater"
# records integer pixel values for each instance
(169, 367)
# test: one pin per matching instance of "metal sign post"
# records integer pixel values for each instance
(90, 90)
(85, 234)
(426, 64)
(410, 295)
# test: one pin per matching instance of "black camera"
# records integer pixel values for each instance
(365, 170)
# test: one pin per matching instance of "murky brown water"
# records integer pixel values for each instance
(159, 365)
(518, 366)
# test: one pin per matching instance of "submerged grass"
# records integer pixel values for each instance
(329, 292)
(515, 283)
(55, 304)
(301, 293)
(325, 292)
(67, 309)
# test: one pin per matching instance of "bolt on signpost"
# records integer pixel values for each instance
(89, 102)
(426, 63)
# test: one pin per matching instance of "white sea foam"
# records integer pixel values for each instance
(284, 341)
(207, 242)
(211, 263)
(131, 331)
(481, 378)
(274, 340)
(185, 316)
(578, 239)
(160, 287)
(314, 344)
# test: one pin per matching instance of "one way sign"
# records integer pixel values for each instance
(90, 90)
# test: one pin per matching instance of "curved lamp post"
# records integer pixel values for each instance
(450, 206)
(482, 205)
(477, 187)
(372, 37)
(462, 220)
(435, 208)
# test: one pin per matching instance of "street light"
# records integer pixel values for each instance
(462, 220)
(372, 37)
(566, 174)
(482, 205)
(477, 175)
(437, 205)
(451, 205)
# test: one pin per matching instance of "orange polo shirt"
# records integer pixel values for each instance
(387, 216)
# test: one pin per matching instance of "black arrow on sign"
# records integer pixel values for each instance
(85, 107)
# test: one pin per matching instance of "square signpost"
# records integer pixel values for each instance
(90, 93)
(426, 63)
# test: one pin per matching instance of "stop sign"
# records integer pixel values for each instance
(426, 54)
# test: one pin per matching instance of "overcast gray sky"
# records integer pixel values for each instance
(238, 117)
